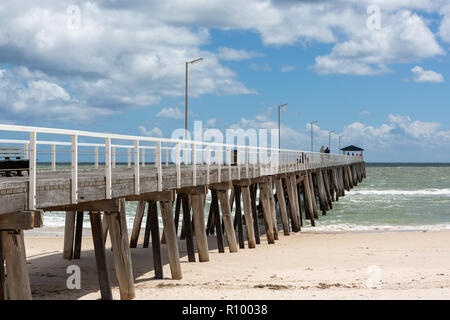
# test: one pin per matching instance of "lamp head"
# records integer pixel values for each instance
(196, 61)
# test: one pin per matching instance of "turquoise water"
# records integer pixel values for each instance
(402, 198)
(391, 198)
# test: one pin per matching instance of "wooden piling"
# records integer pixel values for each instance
(264, 197)
(321, 191)
(69, 231)
(100, 256)
(140, 211)
(3, 295)
(299, 187)
(336, 186)
(104, 229)
(177, 216)
(199, 226)
(327, 189)
(253, 189)
(292, 203)
(309, 200)
(121, 249)
(152, 207)
(272, 208)
(171, 239)
(249, 223)
(153, 224)
(16, 265)
(282, 205)
(188, 227)
(313, 196)
(216, 220)
(238, 217)
(222, 194)
(78, 235)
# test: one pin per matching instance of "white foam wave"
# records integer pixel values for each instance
(360, 228)
(431, 192)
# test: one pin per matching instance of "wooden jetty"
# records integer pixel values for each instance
(99, 172)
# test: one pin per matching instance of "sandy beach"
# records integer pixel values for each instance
(398, 265)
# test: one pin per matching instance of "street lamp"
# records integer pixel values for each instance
(312, 138)
(186, 93)
(340, 147)
(279, 129)
(329, 139)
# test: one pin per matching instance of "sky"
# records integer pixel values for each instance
(375, 72)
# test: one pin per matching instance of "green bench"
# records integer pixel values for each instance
(11, 161)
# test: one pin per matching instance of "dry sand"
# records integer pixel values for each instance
(411, 265)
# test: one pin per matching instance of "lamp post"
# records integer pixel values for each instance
(186, 93)
(329, 139)
(340, 147)
(279, 131)
(312, 132)
(279, 126)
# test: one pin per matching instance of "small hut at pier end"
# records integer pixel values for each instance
(352, 149)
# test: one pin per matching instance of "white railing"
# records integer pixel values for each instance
(138, 150)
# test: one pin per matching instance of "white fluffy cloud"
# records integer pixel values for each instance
(421, 75)
(444, 29)
(154, 132)
(400, 137)
(118, 58)
(131, 54)
(25, 94)
(237, 54)
(174, 113)
(404, 37)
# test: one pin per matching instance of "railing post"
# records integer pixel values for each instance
(32, 177)
(143, 157)
(254, 160)
(194, 165)
(96, 157)
(74, 183)
(259, 161)
(228, 160)
(219, 163)
(53, 157)
(113, 157)
(108, 173)
(136, 167)
(208, 163)
(167, 157)
(158, 164)
(178, 165)
(247, 158)
(129, 157)
(238, 164)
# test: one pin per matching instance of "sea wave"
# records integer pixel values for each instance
(431, 192)
(375, 228)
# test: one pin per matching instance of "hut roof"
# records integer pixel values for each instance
(352, 148)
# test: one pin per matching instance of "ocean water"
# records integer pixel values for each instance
(391, 198)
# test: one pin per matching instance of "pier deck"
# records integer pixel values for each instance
(293, 185)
